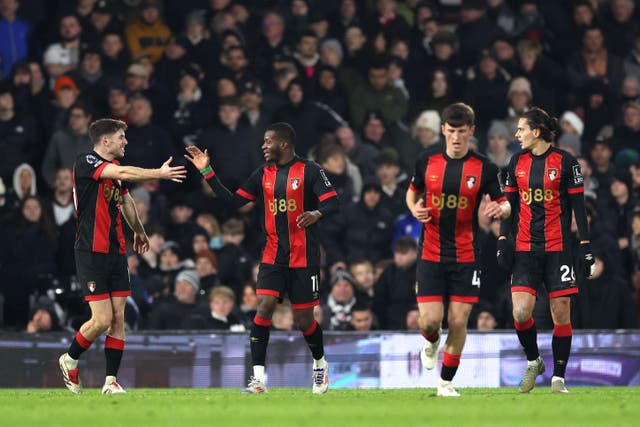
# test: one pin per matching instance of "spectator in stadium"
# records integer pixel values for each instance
(598, 107)
(249, 303)
(387, 20)
(90, 79)
(426, 132)
(150, 260)
(218, 314)
(148, 142)
(61, 206)
(147, 34)
(43, 318)
(361, 155)
(594, 61)
(26, 262)
(282, 319)
(103, 18)
(394, 293)
(229, 142)
(499, 138)
(475, 31)
(67, 143)
(377, 93)
(271, 42)
(309, 118)
(485, 318)
(413, 319)
(571, 124)
(207, 268)
(118, 102)
(336, 310)
(605, 300)
(201, 48)
(519, 97)
(236, 65)
(17, 138)
(60, 58)
(172, 313)
(362, 319)
(627, 135)
(620, 22)
(331, 157)
(234, 263)
(327, 90)
(191, 110)
(394, 182)
(115, 58)
(545, 75)
(14, 36)
(307, 56)
(632, 60)
(255, 116)
(170, 265)
(362, 230)
(487, 89)
(438, 94)
(364, 281)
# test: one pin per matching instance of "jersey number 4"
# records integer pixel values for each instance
(475, 281)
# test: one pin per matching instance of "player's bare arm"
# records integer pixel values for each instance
(308, 218)
(136, 174)
(497, 210)
(130, 213)
(415, 203)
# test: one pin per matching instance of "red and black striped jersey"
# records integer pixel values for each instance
(543, 185)
(453, 188)
(284, 192)
(97, 202)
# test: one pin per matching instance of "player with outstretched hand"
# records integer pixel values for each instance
(100, 254)
(446, 189)
(544, 185)
(293, 194)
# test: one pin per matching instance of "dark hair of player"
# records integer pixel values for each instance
(537, 118)
(458, 114)
(104, 127)
(283, 132)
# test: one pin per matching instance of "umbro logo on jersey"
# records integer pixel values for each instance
(295, 183)
(91, 286)
(433, 177)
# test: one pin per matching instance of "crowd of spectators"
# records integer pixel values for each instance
(363, 82)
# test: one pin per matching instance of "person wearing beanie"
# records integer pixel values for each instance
(426, 128)
(498, 140)
(571, 124)
(172, 313)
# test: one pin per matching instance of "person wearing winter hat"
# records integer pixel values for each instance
(571, 124)
(498, 138)
(426, 128)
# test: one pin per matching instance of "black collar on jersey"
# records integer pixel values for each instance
(543, 155)
(461, 159)
(286, 165)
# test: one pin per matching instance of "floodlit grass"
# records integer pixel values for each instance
(584, 407)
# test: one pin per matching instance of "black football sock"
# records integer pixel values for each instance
(450, 363)
(528, 336)
(78, 346)
(313, 336)
(259, 339)
(113, 349)
(561, 345)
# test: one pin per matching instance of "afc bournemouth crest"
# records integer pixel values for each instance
(295, 183)
(552, 173)
(91, 286)
(471, 181)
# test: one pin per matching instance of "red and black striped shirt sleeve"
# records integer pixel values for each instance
(491, 182)
(322, 188)
(574, 185)
(246, 193)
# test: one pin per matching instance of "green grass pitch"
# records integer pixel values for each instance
(584, 407)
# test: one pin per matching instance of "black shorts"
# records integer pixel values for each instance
(554, 269)
(457, 281)
(102, 276)
(300, 284)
